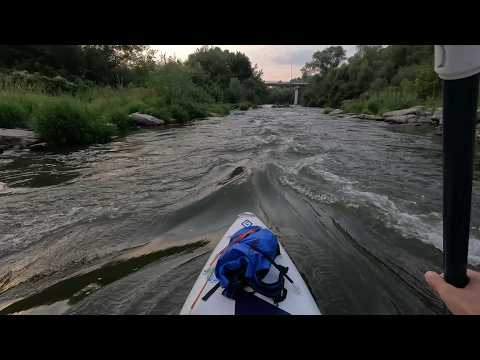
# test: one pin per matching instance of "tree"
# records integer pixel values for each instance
(325, 60)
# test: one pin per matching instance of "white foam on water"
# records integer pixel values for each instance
(326, 198)
(424, 227)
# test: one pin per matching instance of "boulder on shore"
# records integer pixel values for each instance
(336, 112)
(146, 120)
(413, 116)
(369, 117)
(416, 111)
(401, 119)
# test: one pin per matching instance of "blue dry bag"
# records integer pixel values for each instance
(246, 261)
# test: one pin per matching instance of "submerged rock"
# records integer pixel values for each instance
(236, 173)
(146, 120)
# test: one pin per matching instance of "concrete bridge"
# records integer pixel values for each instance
(295, 85)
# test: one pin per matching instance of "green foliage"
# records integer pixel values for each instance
(119, 118)
(280, 96)
(375, 79)
(75, 95)
(325, 60)
(244, 106)
(383, 101)
(179, 113)
(12, 114)
(218, 108)
(226, 76)
(64, 65)
(66, 121)
(426, 82)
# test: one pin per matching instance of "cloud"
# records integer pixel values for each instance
(298, 57)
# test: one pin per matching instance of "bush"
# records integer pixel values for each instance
(244, 106)
(12, 114)
(353, 106)
(372, 107)
(179, 113)
(195, 110)
(161, 113)
(327, 110)
(136, 106)
(223, 109)
(65, 121)
(119, 118)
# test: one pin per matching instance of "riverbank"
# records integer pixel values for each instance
(413, 116)
(94, 116)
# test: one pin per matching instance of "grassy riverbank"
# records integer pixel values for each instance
(379, 102)
(94, 115)
(76, 95)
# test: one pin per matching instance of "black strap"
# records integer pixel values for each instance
(211, 291)
(282, 269)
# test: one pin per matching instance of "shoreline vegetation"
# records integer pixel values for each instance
(74, 95)
(79, 95)
(375, 80)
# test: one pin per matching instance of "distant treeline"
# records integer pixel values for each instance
(375, 79)
(225, 76)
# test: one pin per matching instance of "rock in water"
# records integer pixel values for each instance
(437, 117)
(336, 112)
(3, 187)
(237, 172)
(146, 120)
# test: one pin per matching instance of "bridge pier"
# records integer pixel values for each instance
(296, 86)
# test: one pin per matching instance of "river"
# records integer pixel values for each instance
(125, 227)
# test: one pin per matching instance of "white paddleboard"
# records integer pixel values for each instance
(299, 300)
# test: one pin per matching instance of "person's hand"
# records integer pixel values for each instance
(464, 301)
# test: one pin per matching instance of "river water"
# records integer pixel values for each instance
(125, 227)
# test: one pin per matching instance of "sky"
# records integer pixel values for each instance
(276, 61)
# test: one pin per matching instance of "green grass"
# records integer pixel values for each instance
(388, 100)
(244, 106)
(13, 114)
(66, 121)
(93, 115)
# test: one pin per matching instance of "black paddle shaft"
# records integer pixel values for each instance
(459, 120)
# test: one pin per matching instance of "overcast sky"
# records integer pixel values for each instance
(274, 60)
